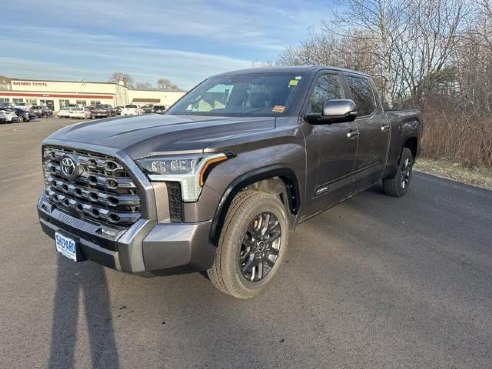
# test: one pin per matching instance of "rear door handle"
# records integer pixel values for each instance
(385, 127)
(352, 134)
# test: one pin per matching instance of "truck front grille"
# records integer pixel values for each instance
(99, 189)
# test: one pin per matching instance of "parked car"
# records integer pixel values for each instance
(80, 113)
(147, 109)
(10, 116)
(23, 105)
(64, 112)
(26, 115)
(118, 110)
(41, 111)
(131, 110)
(3, 118)
(159, 109)
(218, 182)
(103, 111)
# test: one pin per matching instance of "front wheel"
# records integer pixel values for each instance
(252, 245)
(398, 185)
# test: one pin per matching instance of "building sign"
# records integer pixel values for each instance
(29, 83)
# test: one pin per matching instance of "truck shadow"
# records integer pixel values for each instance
(82, 288)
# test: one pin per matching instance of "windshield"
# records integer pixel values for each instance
(131, 106)
(249, 95)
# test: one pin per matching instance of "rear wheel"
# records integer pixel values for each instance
(398, 185)
(252, 245)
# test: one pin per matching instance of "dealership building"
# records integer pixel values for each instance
(56, 94)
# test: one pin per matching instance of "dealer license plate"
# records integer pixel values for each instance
(66, 246)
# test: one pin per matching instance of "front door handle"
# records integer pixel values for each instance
(385, 127)
(352, 134)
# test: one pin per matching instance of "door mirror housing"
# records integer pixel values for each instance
(335, 111)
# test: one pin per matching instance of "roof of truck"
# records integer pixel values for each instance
(309, 69)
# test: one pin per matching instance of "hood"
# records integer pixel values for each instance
(149, 135)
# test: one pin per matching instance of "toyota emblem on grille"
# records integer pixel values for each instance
(68, 167)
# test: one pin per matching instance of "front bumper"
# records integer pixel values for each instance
(146, 248)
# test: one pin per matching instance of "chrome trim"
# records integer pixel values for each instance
(147, 197)
(95, 196)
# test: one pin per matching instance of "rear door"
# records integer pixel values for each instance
(330, 151)
(373, 128)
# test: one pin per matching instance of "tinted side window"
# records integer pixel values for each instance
(327, 87)
(362, 95)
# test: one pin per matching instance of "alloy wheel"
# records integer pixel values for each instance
(260, 247)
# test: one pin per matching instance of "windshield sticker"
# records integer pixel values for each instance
(293, 82)
(298, 77)
(278, 109)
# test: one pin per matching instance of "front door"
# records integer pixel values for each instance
(331, 149)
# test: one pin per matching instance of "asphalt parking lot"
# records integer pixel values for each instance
(375, 282)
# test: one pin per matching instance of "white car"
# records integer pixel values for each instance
(64, 112)
(10, 116)
(132, 110)
(80, 113)
(3, 118)
(23, 105)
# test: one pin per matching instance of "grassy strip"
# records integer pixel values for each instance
(480, 177)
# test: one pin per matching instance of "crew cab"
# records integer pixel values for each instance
(217, 183)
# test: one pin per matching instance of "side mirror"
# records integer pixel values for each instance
(335, 111)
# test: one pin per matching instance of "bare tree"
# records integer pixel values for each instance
(165, 84)
(435, 54)
(143, 86)
(398, 42)
(118, 77)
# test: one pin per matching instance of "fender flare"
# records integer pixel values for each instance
(286, 174)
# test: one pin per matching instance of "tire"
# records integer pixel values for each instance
(398, 185)
(248, 248)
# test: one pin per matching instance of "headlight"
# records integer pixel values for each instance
(190, 171)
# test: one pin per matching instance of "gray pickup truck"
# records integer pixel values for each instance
(218, 182)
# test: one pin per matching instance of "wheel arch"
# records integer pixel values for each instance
(258, 179)
(411, 143)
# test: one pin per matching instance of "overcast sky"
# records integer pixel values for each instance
(183, 40)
